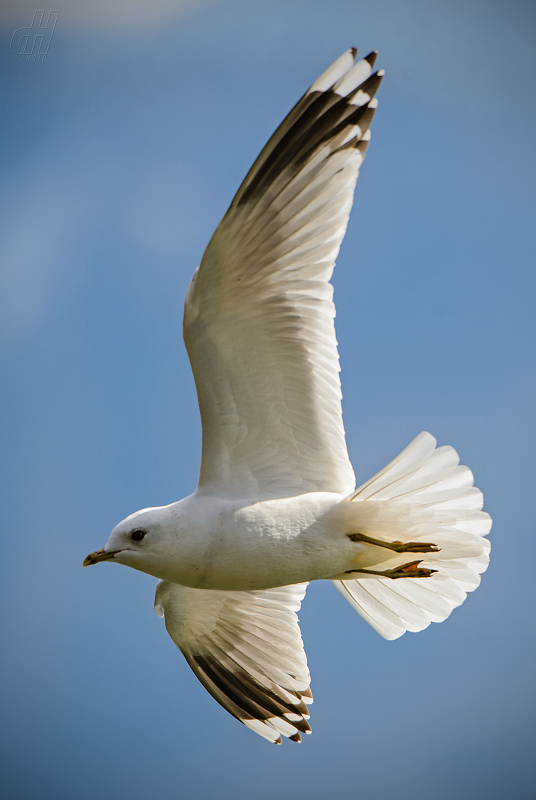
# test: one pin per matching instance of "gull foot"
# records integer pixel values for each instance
(398, 547)
(415, 547)
(410, 570)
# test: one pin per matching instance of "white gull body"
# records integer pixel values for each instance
(276, 505)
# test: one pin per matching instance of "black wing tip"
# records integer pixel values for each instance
(296, 738)
(371, 85)
(319, 115)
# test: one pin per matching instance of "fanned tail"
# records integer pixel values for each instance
(423, 495)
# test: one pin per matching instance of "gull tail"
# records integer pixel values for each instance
(425, 504)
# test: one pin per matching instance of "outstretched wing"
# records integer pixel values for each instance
(258, 321)
(246, 649)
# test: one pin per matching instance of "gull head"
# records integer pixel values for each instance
(141, 541)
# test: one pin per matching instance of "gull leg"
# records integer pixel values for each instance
(409, 570)
(398, 547)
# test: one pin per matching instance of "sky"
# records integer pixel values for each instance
(120, 153)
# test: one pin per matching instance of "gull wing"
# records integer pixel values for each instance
(246, 649)
(259, 314)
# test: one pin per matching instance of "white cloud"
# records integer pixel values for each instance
(117, 15)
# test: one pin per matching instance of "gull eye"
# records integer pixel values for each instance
(137, 535)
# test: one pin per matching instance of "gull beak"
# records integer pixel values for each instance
(99, 555)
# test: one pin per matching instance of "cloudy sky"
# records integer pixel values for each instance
(120, 152)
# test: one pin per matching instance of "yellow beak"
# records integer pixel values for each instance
(99, 555)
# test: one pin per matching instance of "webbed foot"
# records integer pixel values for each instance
(398, 547)
(415, 547)
(409, 570)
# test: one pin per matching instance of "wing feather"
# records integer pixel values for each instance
(259, 313)
(247, 651)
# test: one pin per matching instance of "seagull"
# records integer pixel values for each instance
(276, 505)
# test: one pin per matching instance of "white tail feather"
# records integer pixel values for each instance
(423, 494)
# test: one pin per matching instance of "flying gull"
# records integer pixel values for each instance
(276, 504)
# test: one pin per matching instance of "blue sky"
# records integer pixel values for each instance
(119, 155)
